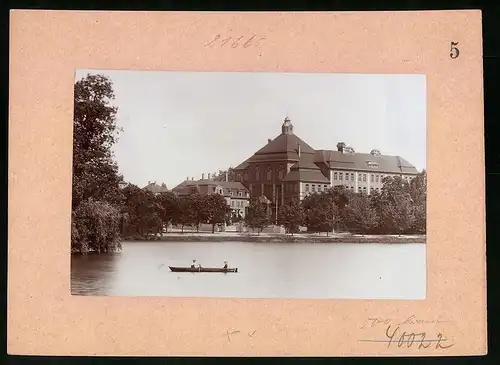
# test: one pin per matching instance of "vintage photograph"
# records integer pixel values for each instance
(249, 185)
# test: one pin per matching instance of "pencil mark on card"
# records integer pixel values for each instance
(241, 41)
(229, 334)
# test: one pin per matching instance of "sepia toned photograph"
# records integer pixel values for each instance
(249, 185)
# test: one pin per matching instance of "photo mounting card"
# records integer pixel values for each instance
(242, 183)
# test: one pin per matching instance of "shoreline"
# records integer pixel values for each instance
(280, 238)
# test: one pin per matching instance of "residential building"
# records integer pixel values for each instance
(155, 188)
(236, 194)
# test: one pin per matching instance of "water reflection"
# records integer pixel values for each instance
(265, 270)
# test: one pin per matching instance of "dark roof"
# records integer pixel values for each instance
(243, 165)
(362, 161)
(306, 170)
(305, 175)
(283, 146)
(155, 188)
(185, 187)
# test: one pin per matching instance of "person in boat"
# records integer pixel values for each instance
(225, 265)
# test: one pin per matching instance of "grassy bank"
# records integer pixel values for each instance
(278, 238)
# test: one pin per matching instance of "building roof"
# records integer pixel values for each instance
(243, 165)
(185, 187)
(364, 161)
(306, 175)
(284, 146)
(155, 188)
(305, 170)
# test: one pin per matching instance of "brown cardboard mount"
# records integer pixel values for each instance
(46, 49)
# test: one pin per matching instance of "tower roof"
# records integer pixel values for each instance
(284, 146)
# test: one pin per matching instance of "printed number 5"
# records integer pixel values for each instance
(454, 51)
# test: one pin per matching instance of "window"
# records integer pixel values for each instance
(364, 188)
(232, 203)
(376, 178)
(313, 188)
(307, 188)
(269, 174)
(352, 176)
(325, 187)
(352, 188)
(372, 164)
(245, 176)
(257, 174)
(239, 193)
(238, 177)
(319, 187)
(359, 176)
(280, 174)
(334, 176)
(364, 177)
(359, 189)
(340, 176)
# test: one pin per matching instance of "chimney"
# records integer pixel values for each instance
(226, 176)
(209, 176)
(187, 178)
(202, 176)
(340, 146)
(269, 140)
(192, 178)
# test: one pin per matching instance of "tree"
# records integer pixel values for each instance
(291, 216)
(361, 216)
(95, 227)
(96, 197)
(340, 196)
(214, 209)
(396, 206)
(418, 192)
(257, 216)
(95, 173)
(320, 212)
(191, 211)
(170, 208)
(142, 212)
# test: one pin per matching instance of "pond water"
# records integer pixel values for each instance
(265, 270)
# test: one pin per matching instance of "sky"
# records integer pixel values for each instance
(182, 124)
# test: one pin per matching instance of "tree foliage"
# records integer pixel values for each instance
(399, 208)
(214, 209)
(291, 216)
(257, 216)
(96, 197)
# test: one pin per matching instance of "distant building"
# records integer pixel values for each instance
(236, 194)
(155, 188)
(287, 168)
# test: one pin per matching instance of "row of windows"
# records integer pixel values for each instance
(361, 177)
(237, 203)
(269, 175)
(313, 187)
(232, 193)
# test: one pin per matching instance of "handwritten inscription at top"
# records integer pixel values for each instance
(226, 41)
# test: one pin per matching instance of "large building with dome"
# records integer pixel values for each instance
(287, 168)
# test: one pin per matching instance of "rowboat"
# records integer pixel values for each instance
(203, 269)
